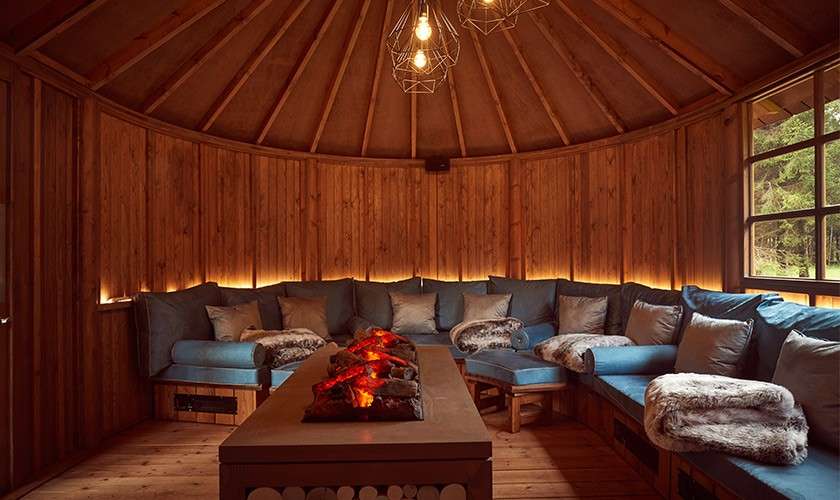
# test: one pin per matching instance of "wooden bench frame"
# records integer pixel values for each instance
(514, 397)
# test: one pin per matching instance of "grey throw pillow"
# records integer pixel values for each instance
(810, 369)
(581, 314)
(413, 313)
(650, 324)
(481, 307)
(303, 312)
(713, 346)
(229, 322)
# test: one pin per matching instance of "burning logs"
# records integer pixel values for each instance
(375, 378)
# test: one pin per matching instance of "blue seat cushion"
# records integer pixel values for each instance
(514, 368)
(631, 360)
(281, 374)
(527, 338)
(626, 392)
(449, 308)
(817, 477)
(244, 377)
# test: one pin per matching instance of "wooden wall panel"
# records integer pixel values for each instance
(827, 301)
(340, 227)
(648, 207)
(597, 223)
(122, 208)
(278, 203)
(5, 337)
(484, 222)
(174, 228)
(439, 218)
(226, 217)
(547, 200)
(392, 227)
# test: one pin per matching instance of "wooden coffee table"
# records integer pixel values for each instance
(450, 448)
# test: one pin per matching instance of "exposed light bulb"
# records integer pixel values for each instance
(420, 59)
(487, 2)
(423, 31)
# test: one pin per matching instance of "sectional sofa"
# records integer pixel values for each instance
(176, 350)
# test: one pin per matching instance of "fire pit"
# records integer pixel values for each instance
(374, 378)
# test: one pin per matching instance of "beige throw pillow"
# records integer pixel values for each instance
(304, 312)
(713, 346)
(481, 307)
(581, 314)
(413, 313)
(229, 322)
(650, 324)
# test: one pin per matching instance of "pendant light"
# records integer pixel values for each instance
(423, 46)
(489, 16)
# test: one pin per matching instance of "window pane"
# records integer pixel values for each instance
(832, 247)
(784, 183)
(784, 118)
(832, 173)
(831, 84)
(785, 248)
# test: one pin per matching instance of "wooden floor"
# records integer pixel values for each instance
(179, 460)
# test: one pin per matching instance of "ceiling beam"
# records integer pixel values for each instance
(456, 112)
(771, 24)
(677, 47)
(148, 41)
(552, 114)
(203, 54)
(494, 93)
(339, 74)
(621, 56)
(374, 89)
(298, 72)
(588, 84)
(250, 65)
(54, 18)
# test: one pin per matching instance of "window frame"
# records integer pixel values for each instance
(818, 285)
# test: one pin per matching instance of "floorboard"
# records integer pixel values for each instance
(174, 460)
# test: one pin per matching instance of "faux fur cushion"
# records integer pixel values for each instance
(568, 350)
(747, 418)
(285, 346)
(471, 336)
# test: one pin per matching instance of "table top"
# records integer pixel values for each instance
(452, 429)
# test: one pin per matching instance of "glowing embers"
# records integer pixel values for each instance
(423, 46)
(375, 378)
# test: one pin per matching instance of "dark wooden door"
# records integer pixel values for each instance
(5, 332)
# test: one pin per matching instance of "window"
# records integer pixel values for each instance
(794, 180)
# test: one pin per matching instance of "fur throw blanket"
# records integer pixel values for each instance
(568, 349)
(471, 336)
(285, 346)
(747, 418)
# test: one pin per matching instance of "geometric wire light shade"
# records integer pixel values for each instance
(488, 16)
(423, 46)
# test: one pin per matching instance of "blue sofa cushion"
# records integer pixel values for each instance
(775, 320)
(514, 368)
(594, 290)
(339, 294)
(631, 360)
(244, 377)
(532, 301)
(373, 303)
(165, 318)
(281, 374)
(626, 392)
(217, 354)
(631, 292)
(722, 305)
(449, 310)
(817, 477)
(265, 296)
(527, 338)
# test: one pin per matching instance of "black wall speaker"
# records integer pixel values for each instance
(437, 164)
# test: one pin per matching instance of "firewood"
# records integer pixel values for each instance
(410, 490)
(397, 388)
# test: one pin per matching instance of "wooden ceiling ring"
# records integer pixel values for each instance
(678, 48)
(251, 63)
(203, 54)
(535, 85)
(771, 24)
(494, 93)
(456, 112)
(339, 74)
(553, 38)
(299, 69)
(53, 19)
(377, 74)
(621, 56)
(58, 67)
(148, 41)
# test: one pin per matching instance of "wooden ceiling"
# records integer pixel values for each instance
(312, 75)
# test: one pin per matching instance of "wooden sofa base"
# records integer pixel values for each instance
(671, 476)
(246, 401)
